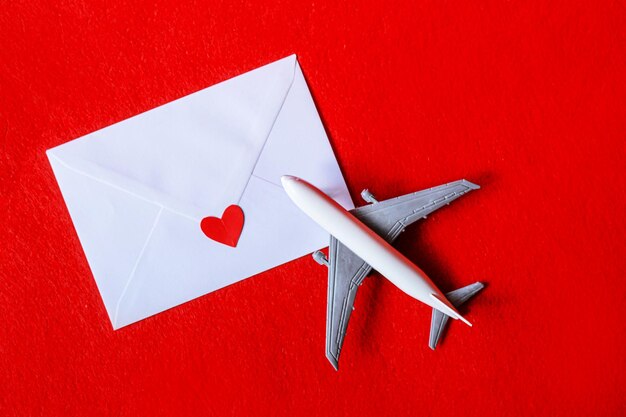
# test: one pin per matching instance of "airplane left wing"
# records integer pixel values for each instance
(346, 271)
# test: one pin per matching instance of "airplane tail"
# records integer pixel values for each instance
(441, 315)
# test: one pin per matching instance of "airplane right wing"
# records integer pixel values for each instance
(389, 218)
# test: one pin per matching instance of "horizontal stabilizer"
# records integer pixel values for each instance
(445, 307)
(457, 298)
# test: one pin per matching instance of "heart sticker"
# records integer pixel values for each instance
(225, 230)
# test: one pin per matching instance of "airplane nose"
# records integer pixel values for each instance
(287, 179)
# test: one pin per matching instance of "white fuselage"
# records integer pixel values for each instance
(365, 243)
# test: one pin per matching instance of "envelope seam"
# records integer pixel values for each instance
(140, 197)
(269, 133)
(267, 181)
(132, 272)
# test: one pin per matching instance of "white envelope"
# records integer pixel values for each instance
(137, 190)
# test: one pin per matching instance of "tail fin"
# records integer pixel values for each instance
(440, 318)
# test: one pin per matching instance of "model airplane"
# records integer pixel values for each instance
(361, 240)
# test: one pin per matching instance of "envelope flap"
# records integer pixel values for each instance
(194, 155)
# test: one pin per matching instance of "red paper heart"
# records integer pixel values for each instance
(227, 229)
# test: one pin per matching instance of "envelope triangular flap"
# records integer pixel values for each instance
(204, 135)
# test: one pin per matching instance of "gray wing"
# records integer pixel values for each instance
(346, 271)
(389, 218)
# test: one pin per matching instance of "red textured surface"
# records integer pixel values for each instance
(526, 98)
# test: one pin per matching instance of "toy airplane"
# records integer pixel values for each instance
(361, 240)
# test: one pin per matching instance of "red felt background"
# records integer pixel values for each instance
(526, 98)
